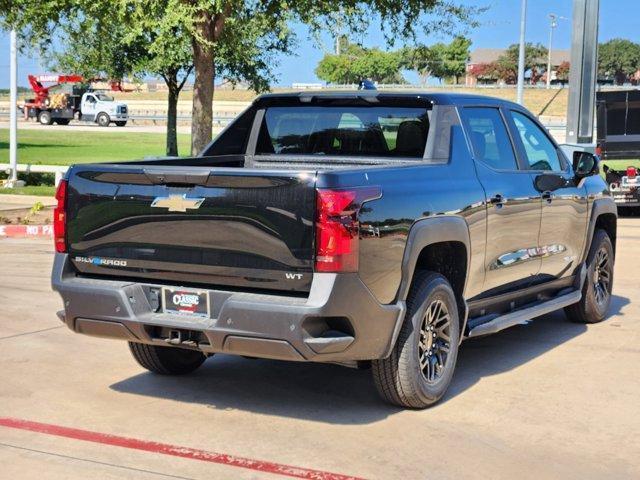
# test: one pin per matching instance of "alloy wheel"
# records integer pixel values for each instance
(434, 341)
(602, 276)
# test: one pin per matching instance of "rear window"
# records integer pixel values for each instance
(344, 131)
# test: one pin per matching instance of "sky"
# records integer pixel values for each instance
(499, 28)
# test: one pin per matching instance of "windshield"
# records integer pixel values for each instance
(104, 98)
(375, 131)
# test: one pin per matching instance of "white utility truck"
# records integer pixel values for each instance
(77, 103)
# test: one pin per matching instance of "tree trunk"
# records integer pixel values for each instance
(202, 107)
(172, 118)
(210, 28)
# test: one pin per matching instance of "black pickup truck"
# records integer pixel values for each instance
(364, 228)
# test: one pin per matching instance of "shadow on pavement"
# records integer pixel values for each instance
(339, 395)
(617, 303)
(499, 353)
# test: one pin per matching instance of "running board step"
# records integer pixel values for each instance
(519, 316)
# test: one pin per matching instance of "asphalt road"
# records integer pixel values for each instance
(549, 399)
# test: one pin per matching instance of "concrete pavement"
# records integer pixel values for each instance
(20, 202)
(549, 399)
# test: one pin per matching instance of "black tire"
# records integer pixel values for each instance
(103, 119)
(44, 117)
(400, 379)
(120, 124)
(63, 121)
(166, 360)
(596, 292)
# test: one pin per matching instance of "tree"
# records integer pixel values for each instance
(420, 59)
(207, 23)
(336, 69)
(397, 19)
(618, 58)
(440, 60)
(435, 62)
(505, 69)
(380, 66)
(484, 71)
(149, 37)
(562, 72)
(356, 63)
(131, 41)
(535, 60)
(457, 56)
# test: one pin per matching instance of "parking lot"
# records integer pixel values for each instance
(549, 399)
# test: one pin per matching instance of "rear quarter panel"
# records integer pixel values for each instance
(409, 194)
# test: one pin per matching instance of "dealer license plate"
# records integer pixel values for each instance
(186, 302)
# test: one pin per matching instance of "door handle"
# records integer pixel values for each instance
(497, 200)
(548, 196)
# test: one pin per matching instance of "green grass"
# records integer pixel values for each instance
(41, 190)
(66, 147)
(622, 164)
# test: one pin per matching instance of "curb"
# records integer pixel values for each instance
(24, 231)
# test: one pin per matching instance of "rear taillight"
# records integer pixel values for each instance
(338, 228)
(631, 172)
(60, 218)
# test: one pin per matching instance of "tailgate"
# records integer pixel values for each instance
(193, 225)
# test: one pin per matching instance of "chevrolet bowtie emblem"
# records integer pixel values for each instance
(177, 203)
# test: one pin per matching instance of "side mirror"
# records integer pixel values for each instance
(549, 182)
(585, 164)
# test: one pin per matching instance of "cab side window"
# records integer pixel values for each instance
(540, 152)
(489, 137)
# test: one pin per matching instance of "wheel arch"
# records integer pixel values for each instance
(444, 234)
(604, 215)
(428, 239)
(440, 244)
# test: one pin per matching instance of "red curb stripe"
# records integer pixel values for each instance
(26, 230)
(171, 450)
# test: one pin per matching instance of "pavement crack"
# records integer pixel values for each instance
(30, 333)
(97, 462)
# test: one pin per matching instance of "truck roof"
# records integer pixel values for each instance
(440, 98)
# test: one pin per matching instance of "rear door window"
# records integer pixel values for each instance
(344, 131)
(489, 137)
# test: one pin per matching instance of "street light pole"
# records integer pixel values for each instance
(554, 23)
(552, 26)
(523, 25)
(13, 113)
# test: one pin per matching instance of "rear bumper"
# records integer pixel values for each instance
(340, 320)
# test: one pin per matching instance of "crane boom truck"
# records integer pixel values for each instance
(81, 103)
